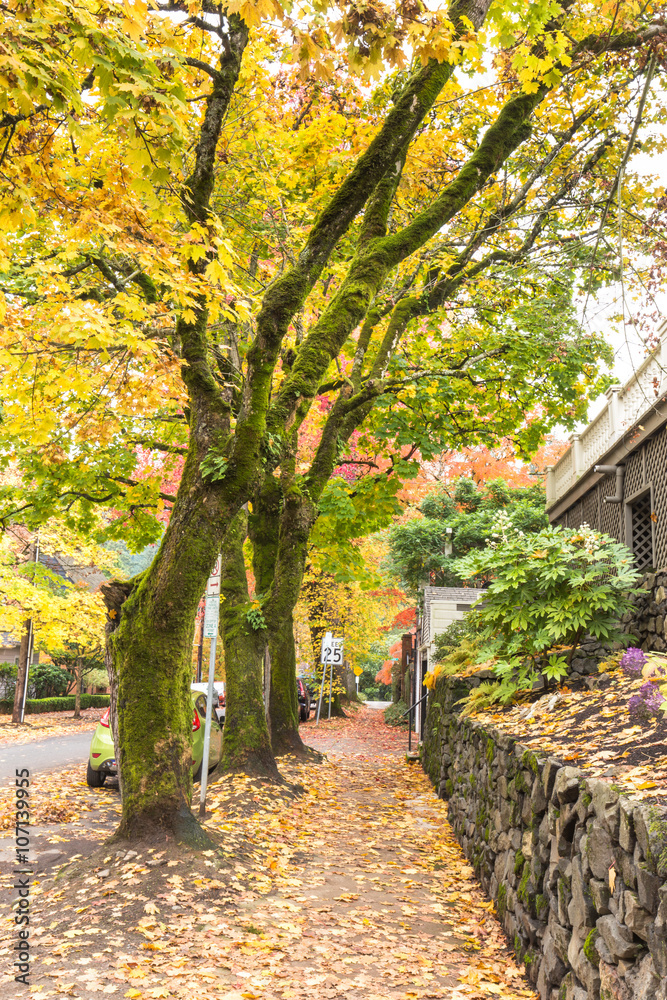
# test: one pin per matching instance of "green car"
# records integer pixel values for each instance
(102, 759)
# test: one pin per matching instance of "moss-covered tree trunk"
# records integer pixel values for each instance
(284, 700)
(246, 744)
(151, 651)
(283, 515)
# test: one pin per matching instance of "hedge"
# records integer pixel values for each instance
(66, 704)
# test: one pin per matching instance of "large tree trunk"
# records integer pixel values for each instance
(151, 651)
(246, 745)
(21, 672)
(284, 700)
(282, 518)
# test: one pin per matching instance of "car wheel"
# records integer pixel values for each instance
(94, 779)
(196, 775)
(303, 713)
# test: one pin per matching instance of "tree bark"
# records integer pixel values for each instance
(283, 516)
(284, 700)
(246, 745)
(151, 651)
(21, 672)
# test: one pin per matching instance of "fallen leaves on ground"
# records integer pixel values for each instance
(354, 888)
(590, 728)
(58, 797)
(43, 725)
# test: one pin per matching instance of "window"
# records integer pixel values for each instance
(640, 534)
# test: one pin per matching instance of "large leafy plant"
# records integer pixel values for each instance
(548, 590)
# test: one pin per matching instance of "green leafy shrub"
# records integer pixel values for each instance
(394, 715)
(8, 673)
(48, 680)
(467, 628)
(34, 706)
(548, 589)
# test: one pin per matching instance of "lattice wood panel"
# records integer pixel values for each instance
(655, 456)
(590, 511)
(642, 532)
(575, 515)
(610, 512)
(634, 479)
(656, 474)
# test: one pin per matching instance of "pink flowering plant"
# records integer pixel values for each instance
(646, 704)
(632, 661)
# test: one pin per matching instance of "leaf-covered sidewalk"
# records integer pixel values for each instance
(355, 889)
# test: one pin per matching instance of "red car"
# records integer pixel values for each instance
(304, 700)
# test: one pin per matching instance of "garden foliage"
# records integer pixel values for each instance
(548, 590)
(458, 518)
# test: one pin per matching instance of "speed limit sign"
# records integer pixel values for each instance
(332, 650)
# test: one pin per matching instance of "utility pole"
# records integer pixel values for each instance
(25, 655)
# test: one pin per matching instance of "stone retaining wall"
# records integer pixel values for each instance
(542, 838)
(648, 617)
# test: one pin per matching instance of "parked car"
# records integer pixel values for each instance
(218, 697)
(305, 698)
(102, 757)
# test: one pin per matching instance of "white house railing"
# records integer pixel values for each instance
(625, 406)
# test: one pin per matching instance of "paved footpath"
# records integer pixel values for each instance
(40, 756)
(356, 890)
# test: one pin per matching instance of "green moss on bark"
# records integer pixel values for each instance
(246, 745)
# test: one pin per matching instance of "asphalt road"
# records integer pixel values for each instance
(45, 755)
(63, 751)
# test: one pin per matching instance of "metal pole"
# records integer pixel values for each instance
(319, 703)
(330, 686)
(31, 635)
(207, 728)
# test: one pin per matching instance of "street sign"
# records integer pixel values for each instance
(332, 650)
(358, 671)
(211, 616)
(213, 585)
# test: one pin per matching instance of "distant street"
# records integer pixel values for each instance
(57, 752)
(41, 756)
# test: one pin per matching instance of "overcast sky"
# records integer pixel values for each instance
(629, 349)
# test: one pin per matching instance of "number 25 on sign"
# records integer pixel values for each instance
(332, 650)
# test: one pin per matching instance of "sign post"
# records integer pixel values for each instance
(332, 655)
(330, 686)
(210, 631)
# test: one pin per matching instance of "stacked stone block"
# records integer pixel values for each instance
(543, 838)
(648, 618)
